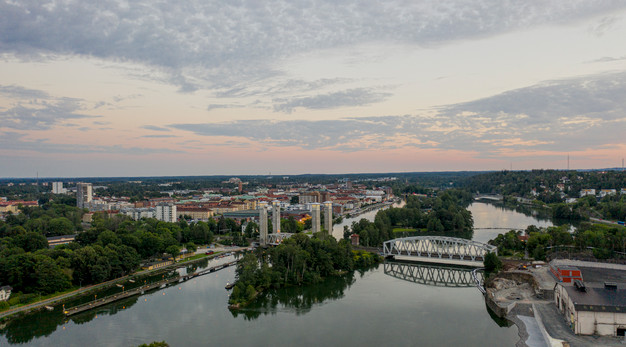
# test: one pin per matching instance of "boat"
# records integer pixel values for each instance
(230, 285)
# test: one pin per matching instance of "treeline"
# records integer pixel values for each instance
(445, 212)
(604, 241)
(298, 260)
(112, 247)
(520, 183)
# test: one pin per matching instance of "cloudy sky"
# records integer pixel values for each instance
(197, 87)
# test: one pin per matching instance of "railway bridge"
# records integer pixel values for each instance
(434, 275)
(438, 247)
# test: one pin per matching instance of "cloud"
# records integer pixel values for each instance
(603, 25)
(155, 128)
(14, 141)
(18, 92)
(159, 136)
(607, 59)
(42, 115)
(218, 44)
(561, 115)
(351, 97)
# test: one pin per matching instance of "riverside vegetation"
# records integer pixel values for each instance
(112, 247)
(297, 261)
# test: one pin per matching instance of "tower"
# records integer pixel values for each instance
(84, 194)
(276, 216)
(263, 223)
(315, 217)
(328, 217)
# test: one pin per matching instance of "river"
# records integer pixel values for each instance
(361, 309)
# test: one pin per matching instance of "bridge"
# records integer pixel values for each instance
(434, 275)
(438, 247)
(494, 197)
(275, 239)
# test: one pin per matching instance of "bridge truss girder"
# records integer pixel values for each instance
(441, 247)
(432, 275)
(277, 238)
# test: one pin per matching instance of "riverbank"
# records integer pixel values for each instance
(88, 290)
(525, 297)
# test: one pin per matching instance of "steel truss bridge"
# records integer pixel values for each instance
(441, 247)
(275, 239)
(434, 275)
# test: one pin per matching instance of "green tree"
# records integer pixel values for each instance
(492, 263)
(173, 250)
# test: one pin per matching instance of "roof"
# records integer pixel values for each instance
(597, 298)
(6, 288)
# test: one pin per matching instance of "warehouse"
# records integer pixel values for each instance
(593, 308)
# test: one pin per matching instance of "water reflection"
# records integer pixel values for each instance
(299, 300)
(432, 274)
(23, 329)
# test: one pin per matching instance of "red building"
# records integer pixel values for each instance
(566, 273)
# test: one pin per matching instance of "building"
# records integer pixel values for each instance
(593, 308)
(276, 216)
(354, 239)
(166, 212)
(605, 192)
(137, 213)
(565, 273)
(5, 293)
(195, 212)
(60, 240)
(263, 223)
(584, 192)
(328, 217)
(14, 205)
(315, 218)
(84, 194)
(309, 197)
(57, 188)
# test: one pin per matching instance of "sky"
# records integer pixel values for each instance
(198, 87)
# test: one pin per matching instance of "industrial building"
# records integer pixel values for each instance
(593, 308)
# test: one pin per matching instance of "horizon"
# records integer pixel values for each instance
(305, 174)
(132, 89)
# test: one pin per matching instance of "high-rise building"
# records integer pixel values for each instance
(315, 218)
(263, 223)
(84, 194)
(276, 216)
(57, 188)
(328, 217)
(166, 212)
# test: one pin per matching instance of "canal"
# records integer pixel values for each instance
(364, 308)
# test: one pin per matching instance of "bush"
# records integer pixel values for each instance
(4, 305)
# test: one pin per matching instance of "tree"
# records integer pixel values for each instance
(492, 263)
(30, 241)
(60, 226)
(191, 247)
(173, 250)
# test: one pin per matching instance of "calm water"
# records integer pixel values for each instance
(362, 309)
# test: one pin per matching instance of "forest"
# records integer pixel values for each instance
(111, 247)
(599, 240)
(443, 213)
(298, 260)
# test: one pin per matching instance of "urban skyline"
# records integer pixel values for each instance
(109, 88)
